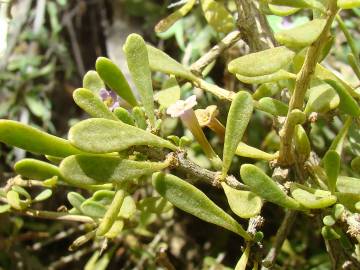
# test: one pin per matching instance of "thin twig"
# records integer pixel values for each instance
(54, 215)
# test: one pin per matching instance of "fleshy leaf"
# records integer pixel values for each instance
(348, 4)
(322, 99)
(347, 184)
(261, 63)
(243, 203)
(33, 140)
(103, 196)
(93, 209)
(43, 195)
(14, 200)
(111, 213)
(283, 10)
(106, 136)
(190, 199)
(266, 90)
(138, 63)
(217, 16)
(302, 143)
(332, 168)
(245, 150)
(347, 103)
(169, 94)
(238, 118)
(265, 187)
(93, 82)
(166, 23)
(75, 200)
(160, 61)
(312, 200)
(273, 77)
(115, 230)
(124, 116)
(349, 200)
(128, 207)
(4, 208)
(156, 205)
(36, 169)
(139, 117)
(272, 106)
(114, 78)
(84, 170)
(92, 104)
(301, 36)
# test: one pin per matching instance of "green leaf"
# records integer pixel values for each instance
(328, 220)
(22, 191)
(114, 78)
(138, 63)
(217, 16)
(128, 208)
(322, 98)
(265, 187)
(302, 143)
(169, 94)
(243, 203)
(115, 230)
(266, 90)
(160, 61)
(93, 82)
(84, 170)
(93, 209)
(33, 140)
(297, 3)
(238, 118)
(156, 205)
(75, 199)
(106, 136)
(103, 196)
(4, 208)
(14, 201)
(43, 195)
(347, 103)
(124, 116)
(349, 200)
(329, 233)
(36, 169)
(139, 117)
(190, 199)
(261, 63)
(274, 77)
(301, 36)
(283, 10)
(312, 200)
(92, 104)
(272, 106)
(245, 150)
(347, 184)
(332, 168)
(111, 213)
(355, 164)
(166, 23)
(348, 4)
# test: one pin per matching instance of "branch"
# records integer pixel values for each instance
(54, 215)
(301, 85)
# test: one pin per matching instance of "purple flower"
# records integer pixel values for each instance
(110, 98)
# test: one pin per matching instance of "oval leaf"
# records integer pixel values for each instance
(190, 199)
(332, 168)
(217, 16)
(311, 201)
(272, 106)
(93, 82)
(36, 169)
(322, 99)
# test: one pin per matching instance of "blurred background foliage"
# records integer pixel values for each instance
(51, 45)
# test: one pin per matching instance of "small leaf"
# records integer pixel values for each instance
(347, 184)
(93, 209)
(355, 164)
(138, 63)
(266, 90)
(190, 199)
(332, 168)
(347, 103)
(302, 143)
(115, 230)
(36, 169)
(261, 63)
(166, 23)
(329, 220)
(4, 208)
(243, 203)
(43, 195)
(283, 10)
(21, 191)
(93, 82)
(128, 208)
(301, 36)
(169, 94)
(92, 104)
(297, 3)
(349, 200)
(245, 150)
(14, 201)
(329, 233)
(124, 116)
(238, 118)
(322, 99)
(217, 16)
(311, 200)
(103, 196)
(75, 199)
(111, 213)
(33, 140)
(106, 136)
(156, 205)
(160, 61)
(115, 79)
(272, 106)
(348, 4)
(273, 77)
(85, 170)
(139, 117)
(265, 187)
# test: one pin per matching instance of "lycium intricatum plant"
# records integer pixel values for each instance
(113, 152)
